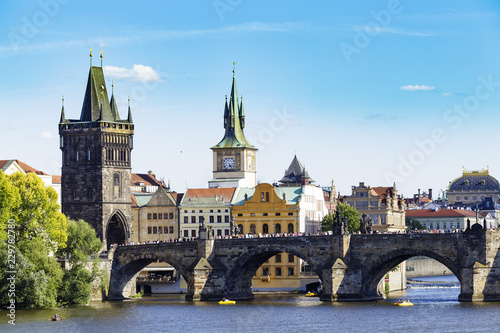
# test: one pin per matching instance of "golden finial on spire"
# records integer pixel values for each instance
(112, 86)
(90, 57)
(129, 101)
(63, 101)
(101, 58)
(234, 64)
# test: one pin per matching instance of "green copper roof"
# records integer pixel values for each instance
(234, 122)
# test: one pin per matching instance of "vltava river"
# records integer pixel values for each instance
(435, 309)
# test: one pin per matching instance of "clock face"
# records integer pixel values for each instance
(228, 163)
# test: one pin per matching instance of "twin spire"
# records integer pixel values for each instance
(96, 104)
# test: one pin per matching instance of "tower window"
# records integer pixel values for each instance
(88, 155)
(77, 156)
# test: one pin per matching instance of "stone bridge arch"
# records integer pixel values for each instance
(239, 275)
(387, 261)
(127, 265)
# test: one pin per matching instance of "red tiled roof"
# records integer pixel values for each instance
(134, 201)
(147, 179)
(56, 179)
(224, 193)
(26, 168)
(177, 197)
(440, 213)
(380, 191)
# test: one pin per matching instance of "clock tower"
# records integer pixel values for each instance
(234, 158)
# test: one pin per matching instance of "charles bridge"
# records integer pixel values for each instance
(350, 266)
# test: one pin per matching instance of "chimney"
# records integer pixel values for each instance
(418, 197)
(430, 194)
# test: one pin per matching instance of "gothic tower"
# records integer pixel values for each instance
(234, 161)
(96, 163)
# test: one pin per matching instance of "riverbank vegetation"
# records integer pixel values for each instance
(33, 234)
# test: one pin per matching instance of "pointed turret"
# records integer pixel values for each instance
(96, 96)
(296, 174)
(242, 114)
(114, 108)
(63, 119)
(234, 122)
(129, 117)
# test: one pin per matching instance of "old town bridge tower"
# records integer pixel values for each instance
(96, 163)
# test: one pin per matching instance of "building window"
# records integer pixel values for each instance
(160, 229)
(267, 196)
(155, 230)
(458, 198)
(149, 230)
(211, 210)
(290, 228)
(192, 210)
(185, 211)
(252, 228)
(219, 232)
(291, 258)
(483, 182)
(186, 233)
(226, 232)
(171, 216)
(193, 219)
(240, 215)
(277, 258)
(149, 216)
(437, 225)
(186, 219)
(211, 219)
(252, 214)
(277, 229)
(264, 214)
(200, 211)
(193, 233)
(240, 228)
(165, 230)
(226, 218)
(155, 216)
(291, 271)
(219, 219)
(171, 229)
(218, 210)
(278, 271)
(261, 193)
(278, 214)
(226, 210)
(265, 228)
(444, 225)
(290, 214)
(265, 271)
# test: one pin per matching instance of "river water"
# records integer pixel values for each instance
(435, 309)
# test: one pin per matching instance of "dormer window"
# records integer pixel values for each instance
(466, 182)
(483, 182)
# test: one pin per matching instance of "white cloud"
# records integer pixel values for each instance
(46, 135)
(417, 87)
(137, 73)
(394, 31)
(448, 94)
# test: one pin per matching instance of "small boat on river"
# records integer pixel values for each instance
(311, 294)
(403, 303)
(227, 302)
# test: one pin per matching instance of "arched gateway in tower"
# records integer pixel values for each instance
(96, 163)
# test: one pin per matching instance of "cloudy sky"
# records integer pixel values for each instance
(373, 91)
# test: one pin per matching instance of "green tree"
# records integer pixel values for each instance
(412, 223)
(38, 215)
(82, 243)
(9, 201)
(353, 219)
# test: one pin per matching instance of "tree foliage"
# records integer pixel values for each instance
(41, 231)
(413, 224)
(353, 219)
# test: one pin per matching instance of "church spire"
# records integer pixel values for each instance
(234, 121)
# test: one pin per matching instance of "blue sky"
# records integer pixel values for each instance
(373, 91)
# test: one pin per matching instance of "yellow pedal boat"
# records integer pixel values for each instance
(403, 303)
(227, 302)
(311, 294)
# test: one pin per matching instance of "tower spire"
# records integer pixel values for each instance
(63, 117)
(129, 118)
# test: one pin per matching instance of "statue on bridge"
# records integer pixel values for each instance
(340, 224)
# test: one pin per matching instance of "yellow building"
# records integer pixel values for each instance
(264, 211)
(155, 216)
(381, 204)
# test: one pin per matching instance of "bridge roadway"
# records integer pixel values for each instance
(350, 266)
